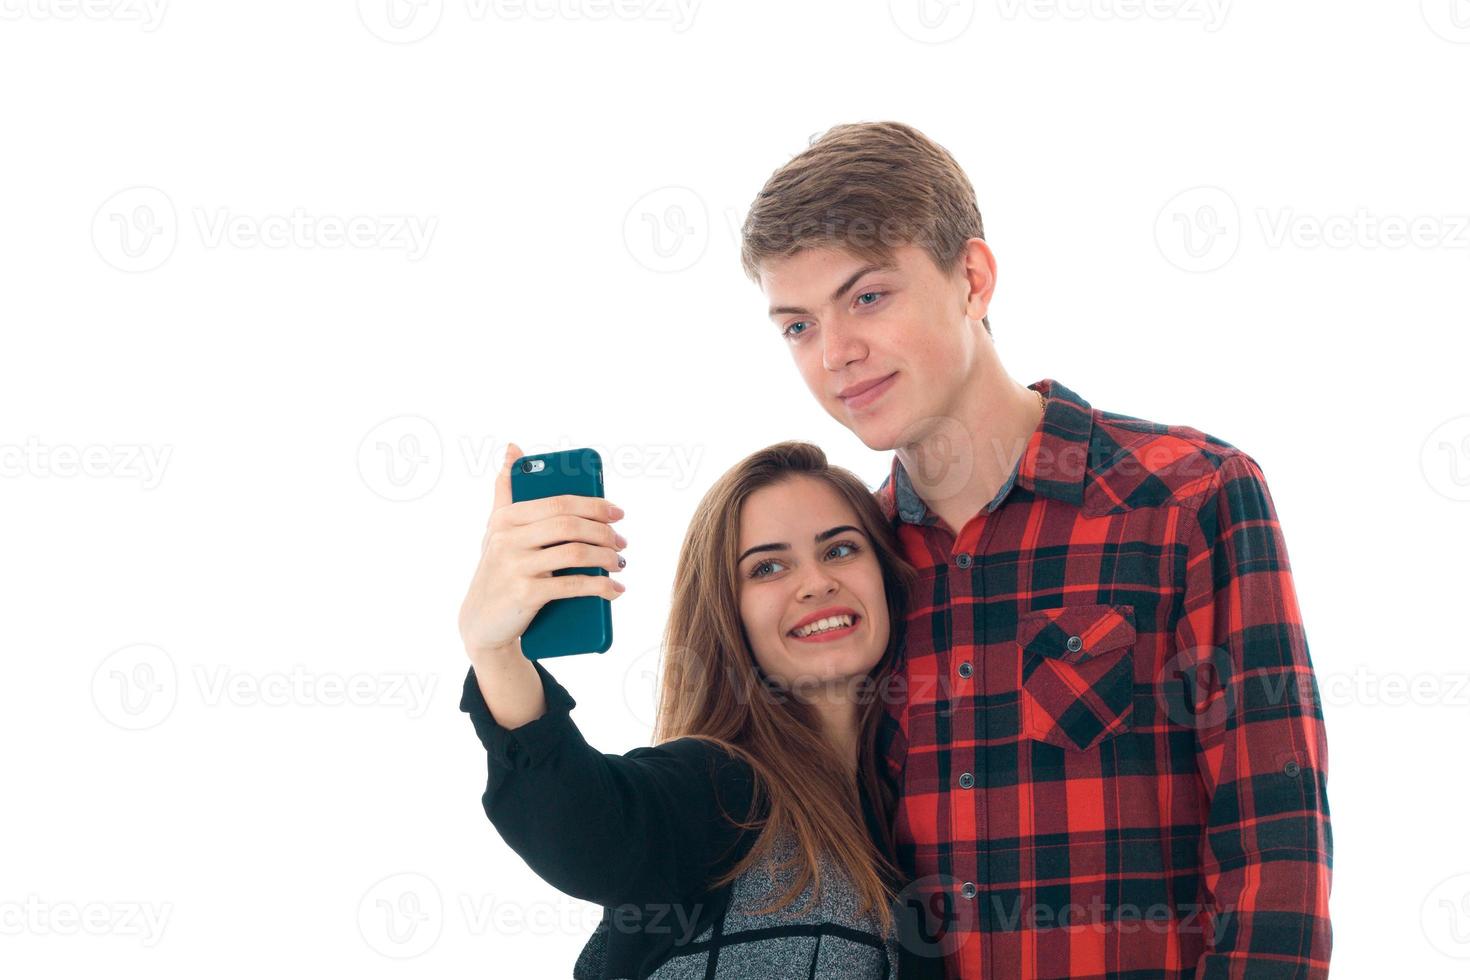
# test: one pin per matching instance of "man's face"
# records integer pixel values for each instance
(887, 352)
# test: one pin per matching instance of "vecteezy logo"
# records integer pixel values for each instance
(1445, 917)
(641, 685)
(1199, 229)
(947, 458)
(401, 916)
(932, 21)
(135, 230)
(135, 687)
(667, 230)
(933, 916)
(1450, 19)
(1196, 690)
(400, 21)
(1445, 458)
(401, 458)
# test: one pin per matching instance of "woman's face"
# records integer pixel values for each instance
(805, 564)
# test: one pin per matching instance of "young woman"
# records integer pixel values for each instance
(753, 840)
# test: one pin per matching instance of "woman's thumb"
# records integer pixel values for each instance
(502, 479)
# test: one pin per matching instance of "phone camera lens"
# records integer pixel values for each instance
(525, 466)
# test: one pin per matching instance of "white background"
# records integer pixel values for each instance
(246, 461)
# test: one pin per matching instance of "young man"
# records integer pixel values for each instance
(1110, 758)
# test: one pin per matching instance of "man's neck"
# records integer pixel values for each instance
(957, 468)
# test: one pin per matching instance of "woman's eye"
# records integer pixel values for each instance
(756, 571)
(852, 548)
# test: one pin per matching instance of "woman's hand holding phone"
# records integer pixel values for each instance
(524, 543)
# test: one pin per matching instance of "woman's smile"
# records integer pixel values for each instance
(825, 629)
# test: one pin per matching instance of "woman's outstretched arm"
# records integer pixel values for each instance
(510, 686)
(644, 827)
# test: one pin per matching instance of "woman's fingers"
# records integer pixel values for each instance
(573, 555)
(544, 590)
(524, 512)
(556, 530)
(524, 542)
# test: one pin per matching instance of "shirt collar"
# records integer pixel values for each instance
(1054, 463)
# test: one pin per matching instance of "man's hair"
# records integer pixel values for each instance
(866, 188)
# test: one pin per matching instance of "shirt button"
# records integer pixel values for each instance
(1074, 643)
(966, 670)
(1292, 769)
(966, 780)
(968, 889)
(963, 559)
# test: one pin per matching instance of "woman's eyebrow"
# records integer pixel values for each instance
(834, 532)
(783, 546)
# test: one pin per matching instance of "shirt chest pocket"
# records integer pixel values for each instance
(1076, 663)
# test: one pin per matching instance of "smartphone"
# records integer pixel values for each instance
(578, 624)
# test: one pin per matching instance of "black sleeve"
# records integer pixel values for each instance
(641, 827)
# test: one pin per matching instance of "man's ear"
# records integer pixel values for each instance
(976, 266)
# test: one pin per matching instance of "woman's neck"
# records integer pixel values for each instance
(840, 720)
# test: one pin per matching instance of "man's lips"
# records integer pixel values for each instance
(865, 392)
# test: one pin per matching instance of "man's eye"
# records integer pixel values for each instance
(871, 292)
(791, 331)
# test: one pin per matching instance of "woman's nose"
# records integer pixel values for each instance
(824, 585)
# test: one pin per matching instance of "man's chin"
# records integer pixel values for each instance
(877, 430)
(874, 433)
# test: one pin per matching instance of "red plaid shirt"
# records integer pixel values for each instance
(1111, 758)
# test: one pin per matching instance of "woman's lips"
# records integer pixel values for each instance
(827, 635)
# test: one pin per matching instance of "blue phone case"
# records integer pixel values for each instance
(579, 624)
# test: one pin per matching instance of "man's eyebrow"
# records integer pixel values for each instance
(783, 546)
(837, 294)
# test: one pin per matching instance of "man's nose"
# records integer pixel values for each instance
(841, 346)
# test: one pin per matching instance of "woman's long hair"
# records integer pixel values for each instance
(712, 688)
